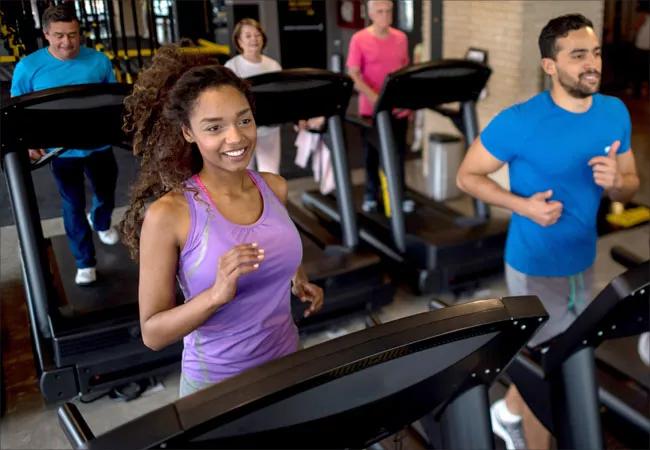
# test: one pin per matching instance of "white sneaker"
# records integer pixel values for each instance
(108, 237)
(408, 205)
(510, 431)
(369, 206)
(85, 276)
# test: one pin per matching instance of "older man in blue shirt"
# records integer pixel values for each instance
(65, 63)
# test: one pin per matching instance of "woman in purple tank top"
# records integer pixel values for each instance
(220, 230)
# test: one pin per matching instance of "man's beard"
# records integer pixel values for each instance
(577, 88)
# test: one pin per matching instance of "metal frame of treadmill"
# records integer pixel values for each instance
(53, 110)
(294, 94)
(564, 393)
(427, 85)
(307, 399)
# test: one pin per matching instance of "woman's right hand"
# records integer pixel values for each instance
(237, 261)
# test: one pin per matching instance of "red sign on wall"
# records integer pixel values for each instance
(349, 14)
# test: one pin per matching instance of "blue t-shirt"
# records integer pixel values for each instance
(40, 70)
(548, 147)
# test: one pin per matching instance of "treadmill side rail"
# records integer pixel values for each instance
(74, 426)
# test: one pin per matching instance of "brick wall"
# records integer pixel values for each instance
(508, 30)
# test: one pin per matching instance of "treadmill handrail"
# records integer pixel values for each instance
(586, 329)
(294, 94)
(97, 122)
(18, 135)
(18, 119)
(290, 95)
(427, 85)
(37, 98)
(294, 373)
(431, 84)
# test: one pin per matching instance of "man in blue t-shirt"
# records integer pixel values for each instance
(64, 63)
(564, 147)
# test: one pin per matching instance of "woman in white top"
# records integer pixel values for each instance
(249, 40)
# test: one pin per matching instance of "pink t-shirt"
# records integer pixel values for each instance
(375, 58)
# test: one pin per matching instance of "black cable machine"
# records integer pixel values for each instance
(352, 278)
(84, 338)
(349, 392)
(436, 245)
(564, 391)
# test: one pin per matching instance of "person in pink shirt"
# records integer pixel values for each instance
(374, 52)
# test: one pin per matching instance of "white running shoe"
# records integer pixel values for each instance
(369, 206)
(108, 237)
(85, 276)
(408, 206)
(511, 432)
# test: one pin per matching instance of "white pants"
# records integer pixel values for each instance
(267, 152)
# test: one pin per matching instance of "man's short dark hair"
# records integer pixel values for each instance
(559, 28)
(63, 12)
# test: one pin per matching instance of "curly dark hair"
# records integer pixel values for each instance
(162, 100)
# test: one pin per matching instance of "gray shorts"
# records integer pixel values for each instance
(563, 297)
(188, 386)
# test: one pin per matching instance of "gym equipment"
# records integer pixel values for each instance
(352, 278)
(349, 392)
(436, 246)
(128, 32)
(563, 390)
(85, 338)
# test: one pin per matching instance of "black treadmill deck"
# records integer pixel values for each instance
(94, 321)
(439, 240)
(116, 285)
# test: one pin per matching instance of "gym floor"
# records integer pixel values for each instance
(29, 423)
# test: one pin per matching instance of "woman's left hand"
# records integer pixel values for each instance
(308, 292)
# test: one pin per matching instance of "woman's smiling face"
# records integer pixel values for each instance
(223, 128)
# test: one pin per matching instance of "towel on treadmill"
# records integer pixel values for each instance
(312, 144)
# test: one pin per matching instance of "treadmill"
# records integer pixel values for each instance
(352, 278)
(563, 389)
(350, 392)
(435, 246)
(87, 338)
(618, 360)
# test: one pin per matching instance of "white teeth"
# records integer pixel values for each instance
(236, 153)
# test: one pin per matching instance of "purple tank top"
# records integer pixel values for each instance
(256, 326)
